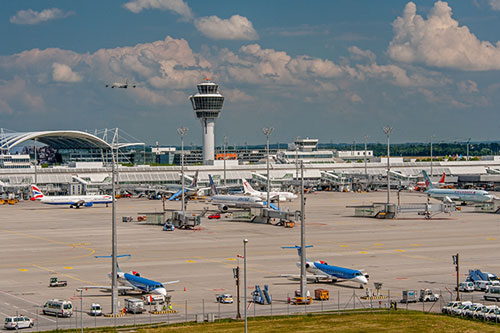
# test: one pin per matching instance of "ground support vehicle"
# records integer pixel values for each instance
(17, 322)
(224, 298)
(215, 216)
(492, 315)
(450, 306)
(58, 307)
(55, 282)
(302, 300)
(134, 305)
(458, 310)
(482, 315)
(465, 287)
(426, 295)
(409, 296)
(95, 310)
(321, 294)
(492, 293)
(469, 313)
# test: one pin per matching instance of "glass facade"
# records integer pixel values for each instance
(207, 102)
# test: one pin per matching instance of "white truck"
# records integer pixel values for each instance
(426, 295)
(409, 296)
(134, 305)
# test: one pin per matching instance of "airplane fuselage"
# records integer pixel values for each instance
(335, 272)
(460, 195)
(141, 284)
(81, 200)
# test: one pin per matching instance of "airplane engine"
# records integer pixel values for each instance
(88, 204)
(307, 265)
(223, 208)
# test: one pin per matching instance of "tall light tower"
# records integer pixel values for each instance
(207, 104)
(387, 131)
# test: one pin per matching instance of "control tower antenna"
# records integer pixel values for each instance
(207, 104)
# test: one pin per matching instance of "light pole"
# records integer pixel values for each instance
(36, 162)
(225, 147)
(267, 132)
(387, 131)
(114, 281)
(432, 137)
(468, 141)
(245, 241)
(81, 308)
(366, 171)
(297, 158)
(303, 277)
(182, 131)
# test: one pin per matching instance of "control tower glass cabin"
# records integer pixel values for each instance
(207, 104)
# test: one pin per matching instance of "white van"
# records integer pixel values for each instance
(492, 293)
(153, 299)
(17, 322)
(58, 307)
(134, 305)
(482, 285)
(466, 286)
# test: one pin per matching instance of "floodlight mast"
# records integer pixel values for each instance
(387, 131)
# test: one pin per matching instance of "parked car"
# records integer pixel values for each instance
(458, 310)
(450, 306)
(482, 285)
(95, 309)
(465, 287)
(224, 298)
(482, 315)
(214, 216)
(469, 313)
(17, 322)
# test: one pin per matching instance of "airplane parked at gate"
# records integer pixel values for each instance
(320, 270)
(224, 202)
(421, 185)
(456, 195)
(282, 196)
(133, 281)
(74, 201)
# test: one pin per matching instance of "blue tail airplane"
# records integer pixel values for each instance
(320, 270)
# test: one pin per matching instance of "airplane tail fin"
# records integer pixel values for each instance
(441, 181)
(298, 248)
(247, 187)
(213, 188)
(37, 194)
(195, 179)
(428, 182)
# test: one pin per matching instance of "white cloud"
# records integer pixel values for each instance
(177, 6)
(236, 28)
(358, 54)
(236, 95)
(30, 16)
(355, 98)
(468, 86)
(495, 4)
(64, 73)
(440, 41)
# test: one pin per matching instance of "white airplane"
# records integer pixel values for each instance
(456, 195)
(224, 202)
(283, 196)
(74, 201)
(121, 85)
(132, 281)
(320, 270)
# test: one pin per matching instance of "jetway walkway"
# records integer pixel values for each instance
(384, 211)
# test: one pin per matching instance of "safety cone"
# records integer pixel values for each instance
(184, 288)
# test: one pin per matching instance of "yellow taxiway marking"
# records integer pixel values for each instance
(363, 252)
(67, 267)
(379, 244)
(344, 245)
(399, 250)
(491, 238)
(232, 259)
(59, 273)
(416, 245)
(190, 261)
(23, 269)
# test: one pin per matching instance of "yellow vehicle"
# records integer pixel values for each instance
(321, 295)
(302, 300)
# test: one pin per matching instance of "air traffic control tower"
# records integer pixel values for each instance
(207, 104)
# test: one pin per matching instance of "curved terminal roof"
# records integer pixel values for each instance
(59, 140)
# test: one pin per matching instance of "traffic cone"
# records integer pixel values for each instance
(184, 288)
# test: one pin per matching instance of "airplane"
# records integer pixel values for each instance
(133, 281)
(320, 270)
(224, 202)
(450, 196)
(189, 191)
(421, 185)
(282, 196)
(121, 85)
(74, 201)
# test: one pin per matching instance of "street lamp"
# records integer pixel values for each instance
(81, 308)
(182, 131)
(245, 241)
(366, 171)
(114, 262)
(432, 137)
(303, 277)
(387, 131)
(468, 141)
(267, 132)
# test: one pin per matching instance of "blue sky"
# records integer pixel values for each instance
(333, 70)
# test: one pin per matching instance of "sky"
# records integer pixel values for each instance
(336, 70)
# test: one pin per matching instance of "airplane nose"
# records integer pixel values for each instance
(161, 291)
(362, 279)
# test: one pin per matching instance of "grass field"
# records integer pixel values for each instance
(376, 322)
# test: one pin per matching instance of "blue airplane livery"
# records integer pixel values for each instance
(320, 270)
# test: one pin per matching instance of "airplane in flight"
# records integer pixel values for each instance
(74, 201)
(451, 195)
(224, 202)
(121, 85)
(133, 281)
(320, 270)
(282, 196)
(421, 185)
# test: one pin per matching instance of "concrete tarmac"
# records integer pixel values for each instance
(40, 241)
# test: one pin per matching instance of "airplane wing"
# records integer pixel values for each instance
(171, 282)
(308, 276)
(107, 288)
